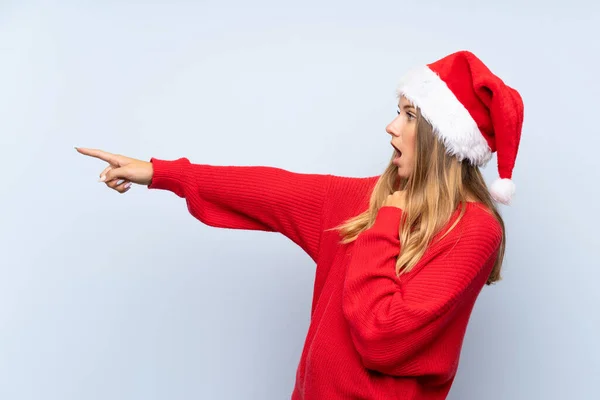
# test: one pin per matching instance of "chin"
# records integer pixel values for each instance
(402, 174)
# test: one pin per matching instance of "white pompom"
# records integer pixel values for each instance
(502, 190)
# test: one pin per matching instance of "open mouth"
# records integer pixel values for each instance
(398, 152)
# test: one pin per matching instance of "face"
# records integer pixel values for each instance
(403, 130)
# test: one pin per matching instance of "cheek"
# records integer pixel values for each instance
(410, 137)
(408, 162)
(409, 147)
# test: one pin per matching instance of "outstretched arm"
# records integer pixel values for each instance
(249, 197)
(237, 197)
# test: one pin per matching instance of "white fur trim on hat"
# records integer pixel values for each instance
(502, 190)
(447, 115)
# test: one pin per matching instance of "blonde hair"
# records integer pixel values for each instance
(438, 185)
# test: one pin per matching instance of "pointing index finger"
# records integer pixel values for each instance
(102, 155)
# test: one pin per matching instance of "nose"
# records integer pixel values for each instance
(392, 128)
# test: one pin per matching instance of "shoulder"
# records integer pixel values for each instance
(341, 186)
(467, 249)
(478, 228)
(347, 197)
(478, 216)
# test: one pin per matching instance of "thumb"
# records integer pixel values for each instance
(114, 173)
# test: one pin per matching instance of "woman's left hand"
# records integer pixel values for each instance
(396, 199)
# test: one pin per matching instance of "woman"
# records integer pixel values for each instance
(402, 257)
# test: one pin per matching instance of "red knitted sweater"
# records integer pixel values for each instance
(372, 335)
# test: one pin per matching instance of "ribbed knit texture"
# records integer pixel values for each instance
(372, 335)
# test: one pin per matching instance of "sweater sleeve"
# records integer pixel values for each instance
(392, 320)
(249, 197)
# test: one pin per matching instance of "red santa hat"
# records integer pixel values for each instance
(472, 111)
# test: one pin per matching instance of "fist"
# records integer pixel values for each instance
(121, 171)
(396, 199)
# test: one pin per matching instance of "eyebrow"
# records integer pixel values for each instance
(407, 107)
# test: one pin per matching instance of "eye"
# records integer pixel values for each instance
(410, 116)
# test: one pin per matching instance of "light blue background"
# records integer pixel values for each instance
(104, 296)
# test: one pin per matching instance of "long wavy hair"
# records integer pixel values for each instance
(437, 188)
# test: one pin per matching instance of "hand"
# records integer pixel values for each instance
(122, 171)
(396, 199)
